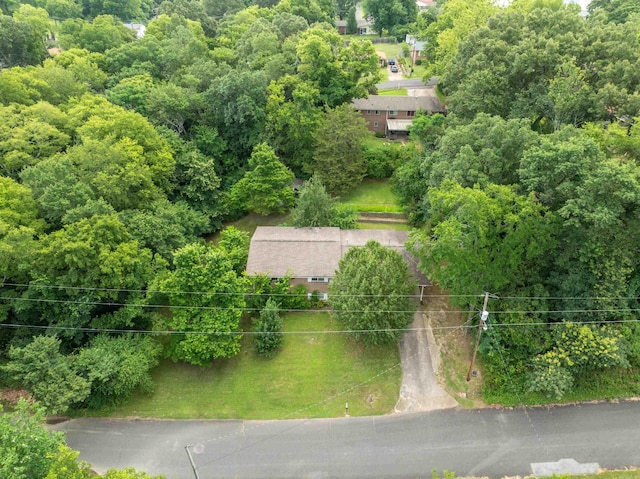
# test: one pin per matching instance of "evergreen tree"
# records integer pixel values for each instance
(269, 329)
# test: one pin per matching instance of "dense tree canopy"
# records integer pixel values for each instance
(370, 293)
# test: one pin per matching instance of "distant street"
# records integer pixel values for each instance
(415, 83)
(392, 85)
(489, 442)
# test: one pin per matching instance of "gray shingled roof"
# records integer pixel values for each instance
(313, 252)
(429, 103)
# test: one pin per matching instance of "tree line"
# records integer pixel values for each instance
(530, 187)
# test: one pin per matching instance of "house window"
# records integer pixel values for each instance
(317, 279)
(321, 296)
(393, 112)
(368, 112)
(377, 112)
(411, 114)
(375, 124)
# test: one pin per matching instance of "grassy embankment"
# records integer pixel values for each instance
(313, 375)
(373, 196)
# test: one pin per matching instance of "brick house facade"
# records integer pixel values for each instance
(392, 115)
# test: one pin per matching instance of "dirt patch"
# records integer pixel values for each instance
(455, 343)
(9, 397)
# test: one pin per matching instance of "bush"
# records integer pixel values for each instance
(380, 134)
(418, 62)
(262, 288)
(269, 329)
(382, 159)
(344, 217)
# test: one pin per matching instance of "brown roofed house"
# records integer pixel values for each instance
(311, 255)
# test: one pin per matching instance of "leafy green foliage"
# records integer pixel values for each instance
(26, 447)
(388, 15)
(579, 349)
(20, 43)
(268, 186)
(370, 293)
(506, 69)
(427, 129)
(47, 374)
(293, 118)
(316, 208)
(97, 261)
(128, 473)
(339, 163)
(339, 73)
(103, 33)
(116, 366)
(382, 158)
(65, 465)
(206, 299)
(235, 244)
(484, 240)
(268, 329)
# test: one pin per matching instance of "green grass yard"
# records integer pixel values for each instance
(314, 375)
(373, 196)
(394, 92)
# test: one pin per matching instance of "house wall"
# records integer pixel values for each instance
(377, 119)
(311, 287)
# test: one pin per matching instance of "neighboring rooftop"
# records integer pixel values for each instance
(429, 103)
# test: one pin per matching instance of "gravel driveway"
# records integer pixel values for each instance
(419, 354)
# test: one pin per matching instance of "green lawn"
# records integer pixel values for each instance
(312, 376)
(383, 226)
(373, 196)
(394, 92)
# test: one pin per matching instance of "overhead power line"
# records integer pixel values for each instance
(301, 333)
(224, 308)
(224, 293)
(263, 293)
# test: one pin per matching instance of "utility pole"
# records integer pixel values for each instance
(193, 466)
(482, 325)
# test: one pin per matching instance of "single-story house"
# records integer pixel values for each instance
(310, 256)
(394, 114)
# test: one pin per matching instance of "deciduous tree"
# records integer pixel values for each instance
(27, 448)
(339, 163)
(268, 186)
(210, 318)
(41, 369)
(370, 293)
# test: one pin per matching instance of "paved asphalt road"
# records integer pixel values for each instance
(491, 442)
(417, 82)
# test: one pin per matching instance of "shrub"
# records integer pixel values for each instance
(269, 329)
(382, 159)
(418, 62)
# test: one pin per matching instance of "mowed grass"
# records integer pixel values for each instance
(394, 92)
(313, 375)
(362, 225)
(373, 196)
